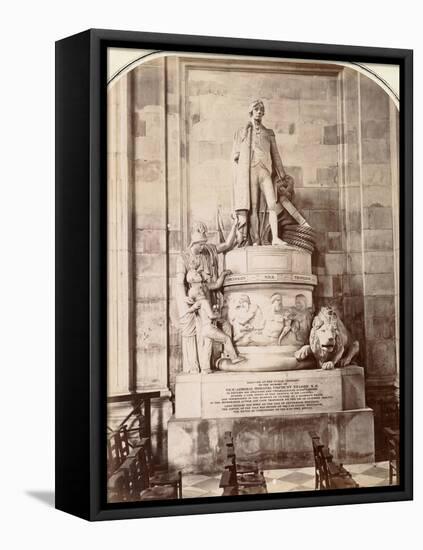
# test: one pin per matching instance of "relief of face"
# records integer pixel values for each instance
(300, 303)
(277, 303)
(258, 112)
(243, 305)
(194, 263)
(197, 248)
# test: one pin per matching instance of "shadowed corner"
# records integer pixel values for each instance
(46, 497)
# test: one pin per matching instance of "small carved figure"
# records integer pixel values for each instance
(275, 320)
(295, 321)
(196, 354)
(187, 323)
(289, 324)
(246, 319)
(302, 318)
(330, 342)
(199, 294)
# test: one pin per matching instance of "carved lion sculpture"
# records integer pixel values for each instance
(330, 342)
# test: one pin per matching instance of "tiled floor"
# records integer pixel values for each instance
(282, 481)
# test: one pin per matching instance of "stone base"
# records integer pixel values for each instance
(230, 394)
(270, 415)
(197, 445)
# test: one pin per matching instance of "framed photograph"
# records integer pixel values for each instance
(234, 274)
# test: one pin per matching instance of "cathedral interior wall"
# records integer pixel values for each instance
(337, 134)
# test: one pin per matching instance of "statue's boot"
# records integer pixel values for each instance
(242, 230)
(254, 229)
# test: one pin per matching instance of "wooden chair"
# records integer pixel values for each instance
(118, 449)
(329, 474)
(242, 466)
(240, 478)
(136, 426)
(393, 441)
(166, 478)
(320, 463)
(132, 480)
(339, 477)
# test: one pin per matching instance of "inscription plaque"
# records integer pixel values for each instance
(249, 394)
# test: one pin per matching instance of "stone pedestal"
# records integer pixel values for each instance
(269, 306)
(270, 415)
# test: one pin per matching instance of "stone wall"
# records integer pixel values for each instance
(120, 333)
(150, 218)
(337, 133)
(373, 247)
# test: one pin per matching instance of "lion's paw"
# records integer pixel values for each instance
(329, 365)
(302, 353)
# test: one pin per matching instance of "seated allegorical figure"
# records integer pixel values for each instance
(247, 321)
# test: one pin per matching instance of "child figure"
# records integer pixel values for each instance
(199, 294)
(289, 324)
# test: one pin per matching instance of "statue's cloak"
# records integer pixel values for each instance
(242, 150)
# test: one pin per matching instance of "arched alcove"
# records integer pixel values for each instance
(171, 121)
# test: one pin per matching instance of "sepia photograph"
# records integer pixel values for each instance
(208, 293)
(253, 287)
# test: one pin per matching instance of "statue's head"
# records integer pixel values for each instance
(300, 302)
(198, 237)
(276, 301)
(195, 264)
(244, 302)
(195, 269)
(256, 109)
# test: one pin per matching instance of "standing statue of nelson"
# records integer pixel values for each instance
(262, 189)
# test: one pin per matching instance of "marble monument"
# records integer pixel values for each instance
(255, 359)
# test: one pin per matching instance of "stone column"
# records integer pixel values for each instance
(119, 225)
(178, 233)
(370, 204)
(352, 210)
(394, 133)
(150, 209)
(378, 246)
(377, 150)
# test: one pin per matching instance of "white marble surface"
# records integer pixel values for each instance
(236, 395)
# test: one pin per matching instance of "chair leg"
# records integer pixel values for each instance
(179, 485)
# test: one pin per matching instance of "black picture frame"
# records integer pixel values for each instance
(81, 283)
